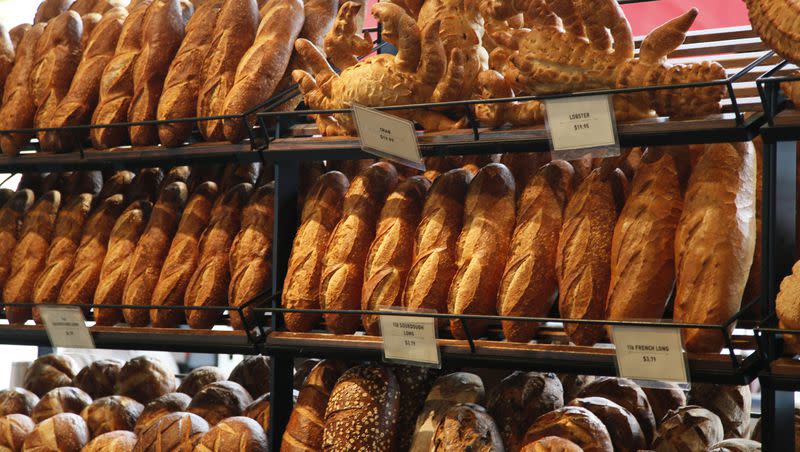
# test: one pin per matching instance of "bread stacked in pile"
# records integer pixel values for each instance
(137, 405)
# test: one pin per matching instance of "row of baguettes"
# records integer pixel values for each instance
(96, 62)
(141, 241)
(467, 244)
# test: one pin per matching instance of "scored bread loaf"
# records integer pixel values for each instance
(64, 432)
(234, 33)
(95, 6)
(467, 426)
(208, 285)
(524, 166)
(14, 428)
(719, 215)
(16, 34)
(108, 414)
(182, 83)
(146, 185)
(144, 379)
(321, 212)
(234, 434)
(253, 373)
(753, 289)
(663, 398)
(29, 257)
(49, 372)
(731, 403)
(688, 428)
(529, 284)
(166, 404)
(11, 216)
(572, 423)
(181, 260)
(220, 400)
(176, 432)
(483, 247)
(627, 394)
(162, 32)
(73, 183)
(117, 441)
(389, 256)
(89, 22)
(17, 401)
(65, 399)
(198, 378)
(6, 57)
(626, 433)
(116, 184)
(116, 264)
(235, 174)
(259, 411)
(99, 378)
(50, 9)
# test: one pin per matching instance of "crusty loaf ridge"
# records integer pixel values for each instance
(11, 215)
(50, 9)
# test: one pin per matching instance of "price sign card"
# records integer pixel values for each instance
(388, 136)
(647, 353)
(410, 340)
(66, 326)
(582, 125)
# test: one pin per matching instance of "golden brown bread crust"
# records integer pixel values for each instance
(235, 434)
(575, 424)
(624, 429)
(95, 6)
(117, 441)
(253, 373)
(177, 432)
(551, 444)
(50, 9)
(99, 378)
(11, 216)
(49, 372)
(146, 185)
(627, 394)
(688, 428)
(198, 378)
(523, 167)
(14, 428)
(143, 379)
(17, 401)
(89, 22)
(16, 34)
(220, 400)
(731, 403)
(467, 426)
(6, 57)
(321, 212)
(714, 242)
(63, 432)
(166, 404)
(116, 184)
(343, 264)
(259, 411)
(108, 414)
(753, 289)
(65, 399)
(664, 398)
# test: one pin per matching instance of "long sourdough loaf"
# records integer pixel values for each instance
(714, 242)
(114, 271)
(50, 9)
(182, 257)
(262, 66)
(321, 212)
(234, 33)
(16, 34)
(28, 259)
(343, 264)
(6, 57)
(529, 284)
(483, 247)
(389, 256)
(11, 215)
(182, 84)
(209, 283)
(151, 250)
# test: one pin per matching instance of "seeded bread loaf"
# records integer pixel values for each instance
(572, 423)
(11, 216)
(99, 378)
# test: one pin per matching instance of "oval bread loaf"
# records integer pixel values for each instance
(467, 426)
(177, 432)
(17, 401)
(11, 215)
(572, 423)
(14, 428)
(99, 378)
(63, 432)
(112, 413)
(65, 399)
(627, 394)
(172, 402)
(49, 372)
(50, 9)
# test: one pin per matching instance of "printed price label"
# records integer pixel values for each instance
(66, 326)
(578, 125)
(410, 340)
(388, 136)
(645, 353)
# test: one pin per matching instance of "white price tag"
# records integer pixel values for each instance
(580, 124)
(388, 136)
(646, 353)
(66, 326)
(410, 340)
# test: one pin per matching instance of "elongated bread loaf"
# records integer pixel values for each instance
(752, 291)
(89, 21)
(343, 264)
(524, 166)
(151, 250)
(529, 284)
(114, 272)
(95, 6)
(209, 283)
(321, 212)
(483, 247)
(389, 256)
(145, 185)
(6, 57)
(11, 215)
(28, 259)
(116, 184)
(234, 33)
(50, 9)
(182, 257)
(714, 241)
(182, 84)
(17, 33)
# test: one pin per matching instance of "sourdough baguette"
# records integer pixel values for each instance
(483, 247)
(28, 259)
(50, 9)
(89, 21)
(321, 212)
(116, 184)
(529, 284)
(209, 283)
(17, 33)
(95, 6)
(151, 250)
(182, 257)
(6, 57)
(719, 215)
(182, 84)
(234, 33)
(343, 264)
(11, 215)
(146, 185)
(114, 271)
(389, 256)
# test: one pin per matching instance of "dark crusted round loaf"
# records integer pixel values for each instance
(259, 411)
(14, 428)
(166, 404)
(49, 372)
(17, 401)
(199, 378)
(574, 423)
(664, 397)
(175, 432)
(99, 378)
(60, 400)
(573, 383)
(220, 400)
(116, 441)
(731, 403)
(253, 373)
(143, 379)
(235, 434)
(627, 394)
(467, 426)
(65, 432)
(551, 444)
(626, 434)
(111, 413)
(688, 428)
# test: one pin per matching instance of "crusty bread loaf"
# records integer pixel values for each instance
(736, 445)
(753, 289)
(234, 33)
(99, 378)
(111, 413)
(95, 6)
(16, 34)
(529, 284)
(117, 441)
(143, 379)
(198, 378)
(65, 399)
(29, 257)
(730, 402)
(483, 247)
(47, 373)
(146, 185)
(626, 433)
(235, 174)
(11, 216)
(116, 184)
(73, 183)
(89, 22)
(160, 406)
(575, 424)
(234, 434)
(220, 400)
(719, 215)
(551, 444)
(65, 432)
(14, 428)
(17, 401)
(176, 432)
(414, 383)
(253, 373)
(664, 397)
(259, 411)
(467, 426)
(627, 394)
(6, 57)
(116, 263)
(321, 212)
(50, 9)
(208, 285)
(688, 428)
(524, 166)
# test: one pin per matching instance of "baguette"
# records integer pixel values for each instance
(114, 271)
(343, 264)
(176, 174)
(145, 185)
(151, 250)
(714, 242)
(321, 212)
(483, 247)
(529, 284)
(89, 22)
(28, 259)
(17, 33)
(753, 289)
(235, 174)
(95, 6)
(182, 257)
(18, 109)
(251, 254)
(117, 184)
(209, 283)
(389, 256)
(523, 167)
(116, 83)
(182, 84)
(50, 9)
(234, 33)
(264, 63)
(6, 57)
(11, 215)
(74, 183)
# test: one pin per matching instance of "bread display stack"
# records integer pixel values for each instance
(18, 109)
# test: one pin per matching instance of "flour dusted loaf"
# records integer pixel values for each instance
(627, 394)
(64, 432)
(176, 432)
(65, 399)
(575, 424)
(467, 426)
(14, 428)
(108, 414)
(143, 379)
(234, 434)
(160, 406)
(12, 214)
(117, 441)
(198, 378)
(48, 372)
(18, 109)
(99, 378)
(688, 428)
(17, 401)
(220, 400)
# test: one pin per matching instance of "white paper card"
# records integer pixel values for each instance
(648, 353)
(580, 124)
(388, 136)
(410, 340)
(66, 326)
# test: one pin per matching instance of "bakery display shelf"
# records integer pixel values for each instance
(783, 120)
